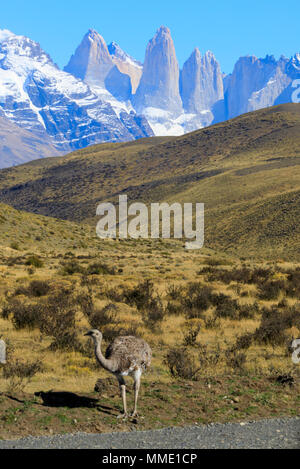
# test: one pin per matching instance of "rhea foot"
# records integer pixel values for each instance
(135, 414)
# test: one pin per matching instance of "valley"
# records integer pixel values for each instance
(245, 171)
(220, 320)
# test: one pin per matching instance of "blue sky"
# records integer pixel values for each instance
(229, 28)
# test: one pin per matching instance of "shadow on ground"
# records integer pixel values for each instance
(71, 400)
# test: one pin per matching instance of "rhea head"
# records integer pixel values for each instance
(94, 334)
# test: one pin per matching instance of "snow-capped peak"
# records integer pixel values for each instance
(5, 34)
(294, 63)
(297, 57)
(12, 46)
(116, 51)
(93, 35)
(39, 97)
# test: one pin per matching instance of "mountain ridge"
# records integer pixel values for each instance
(112, 97)
(18, 145)
(39, 97)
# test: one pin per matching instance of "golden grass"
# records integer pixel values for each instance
(220, 394)
(73, 372)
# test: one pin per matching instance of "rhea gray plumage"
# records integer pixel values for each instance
(126, 355)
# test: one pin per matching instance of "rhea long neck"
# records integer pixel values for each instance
(107, 364)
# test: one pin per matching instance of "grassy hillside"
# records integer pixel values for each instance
(20, 231)
(220, 330)
(246, 171)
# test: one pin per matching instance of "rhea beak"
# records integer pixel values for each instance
(88, 334)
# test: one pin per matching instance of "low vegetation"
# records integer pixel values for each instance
(220, 329)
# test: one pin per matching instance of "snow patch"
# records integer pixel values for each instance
(5, 34)
(164, 123)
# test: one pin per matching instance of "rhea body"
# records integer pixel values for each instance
(125, 356)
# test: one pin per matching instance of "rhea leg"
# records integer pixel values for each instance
(137, 383)
(122, 385)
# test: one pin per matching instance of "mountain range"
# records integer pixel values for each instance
(105, 95)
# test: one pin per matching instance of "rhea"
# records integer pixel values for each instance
(125, 356)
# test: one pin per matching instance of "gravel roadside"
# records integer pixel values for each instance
(275, 433)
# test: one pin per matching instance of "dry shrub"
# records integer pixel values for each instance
(148, 303)
(54, 316)
(273, 326)
(214, 261)
(22, 315)
(86, 302)
(270, 290)
(272, 329)
(97, 318)
(72, 267)
(58, 321)
(196, 300)
(34, 261)
(191, 333)
(283, 303)
(293, 284)
(212, 322)
(235, 359)
(226, 307)
(103, 317)
(243, 275)
(36, 288)
(243, 342)
(19, 373)
(111, 332)
(208, 357)
(181, 363)
(153, 314)
(174, 292)
(98, 268)
(115, 294)
(173, 308)
(140, 296)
